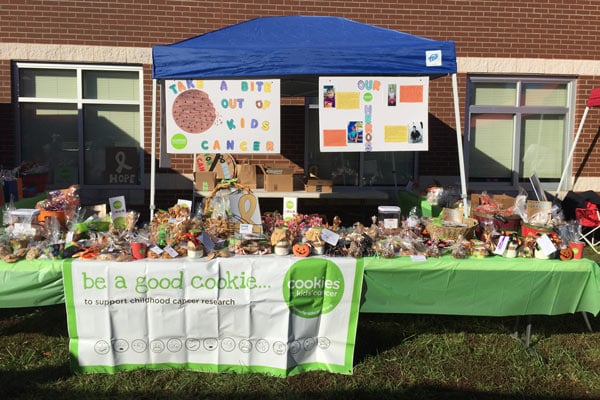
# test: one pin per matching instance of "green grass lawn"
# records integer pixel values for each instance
(397, 356)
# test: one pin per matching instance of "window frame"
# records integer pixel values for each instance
(80, 102)
(518, 111)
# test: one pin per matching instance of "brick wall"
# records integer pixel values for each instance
(586, 157)
(7, 138)
(480, 28)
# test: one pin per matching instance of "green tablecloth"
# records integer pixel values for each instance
(493, 286)
(31, 283)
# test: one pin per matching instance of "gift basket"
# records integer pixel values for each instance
(60, 204)
(451, 225)
(497, 209)
(171, 233)
(217, 219)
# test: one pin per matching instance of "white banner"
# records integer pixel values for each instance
(278, 315)
(223, 116)
(387, 113)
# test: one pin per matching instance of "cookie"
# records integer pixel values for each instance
(193, 111)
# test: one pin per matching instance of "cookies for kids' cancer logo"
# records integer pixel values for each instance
(193, 111)
(313, 286)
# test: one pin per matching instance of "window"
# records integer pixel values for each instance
(83, 121)
(517, 127)
(351, 168)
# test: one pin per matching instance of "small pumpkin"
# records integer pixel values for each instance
(566, 254)
(301, 249)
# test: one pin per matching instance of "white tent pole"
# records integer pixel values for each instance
(568, 163)
(461, 160)
(153, 152)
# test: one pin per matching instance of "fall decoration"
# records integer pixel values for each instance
(301, 249)
(565, 254)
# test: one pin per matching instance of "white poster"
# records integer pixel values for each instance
(272, 314)
(223, 116)
(373, 113)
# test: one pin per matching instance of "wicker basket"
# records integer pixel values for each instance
(220, 227)
(437, 230)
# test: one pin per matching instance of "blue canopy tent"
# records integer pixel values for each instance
(299, 49)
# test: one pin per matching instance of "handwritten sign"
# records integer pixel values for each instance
(361, 114)
(223, 116)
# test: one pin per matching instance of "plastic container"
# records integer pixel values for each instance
(24, 215)
(389, 216)
(138, 250)
(577, 248)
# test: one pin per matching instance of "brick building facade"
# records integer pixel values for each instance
(493, 39)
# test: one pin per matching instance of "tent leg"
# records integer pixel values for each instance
(153, 153)
(459, 144)
(570, 157)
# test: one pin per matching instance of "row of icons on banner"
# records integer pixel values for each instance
(227, 344)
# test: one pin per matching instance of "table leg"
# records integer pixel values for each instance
(517, 335)
(587, 321)
(516, 329)
(528, 332)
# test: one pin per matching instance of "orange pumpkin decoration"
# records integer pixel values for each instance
(301, 249)
(566, 254)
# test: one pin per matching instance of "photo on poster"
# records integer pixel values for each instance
(392, 90)
(329, 96)
(415, 132)
(355, 132)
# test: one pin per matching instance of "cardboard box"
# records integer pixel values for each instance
(539, 212)
(205, 181)
(319, 185)
(279, 179)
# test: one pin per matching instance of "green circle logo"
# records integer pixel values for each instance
(118, 204)
(367, 97)
(179, 141)
(313, 286)
(120, 223)
(289, 204)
